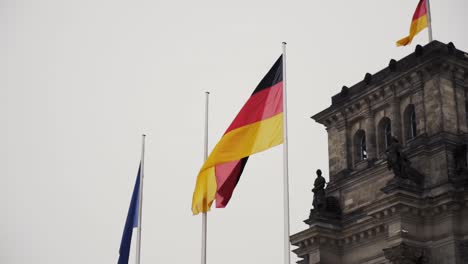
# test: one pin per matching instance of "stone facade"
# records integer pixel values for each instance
(421, 100)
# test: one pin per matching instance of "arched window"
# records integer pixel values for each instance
(385, 134)
(360, 145)
(410, 122)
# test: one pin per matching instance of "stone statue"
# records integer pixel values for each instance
(326, 208)
(397, 160)
(319, 191)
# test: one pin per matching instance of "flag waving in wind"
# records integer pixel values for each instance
(130, 223)
(418, 23)
(257, 127)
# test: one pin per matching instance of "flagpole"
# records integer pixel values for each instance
(140, 199)
(205, 156)
(429, 20)
(287, 258)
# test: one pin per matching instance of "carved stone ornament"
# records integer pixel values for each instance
(398, 162)
(405, 254)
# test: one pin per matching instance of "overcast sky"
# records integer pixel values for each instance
(80, 81)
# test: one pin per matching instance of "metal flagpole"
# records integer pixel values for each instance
(287, 258)
(205, 156)
(140, 199)
(429, 20)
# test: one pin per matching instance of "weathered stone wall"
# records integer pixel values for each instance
(337, 152)
(364, 252)
(432, 97)
(443, 252)
(364, 192)
(419, 161)
(417, 99)
(328, 254)
(437, 164)
(449, 108)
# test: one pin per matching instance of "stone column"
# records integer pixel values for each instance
(461, 98)
(448, 99)
(396, 118)
(418, 102)
(371, 141)
(338, 142)
(348, 142)
(432, 101)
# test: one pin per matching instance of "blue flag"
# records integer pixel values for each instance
(132, 221)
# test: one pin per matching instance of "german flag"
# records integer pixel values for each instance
(418, 23)
(257, 127)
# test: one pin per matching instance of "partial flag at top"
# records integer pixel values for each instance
(419, 22)
(257, 127)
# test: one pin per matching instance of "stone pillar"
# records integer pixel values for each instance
(396, 118)
(461, 97)
(418, 101)
(338, 146)
(348, 142)
(371, 141)
(337, 150)
(432, 102)
(448, 98)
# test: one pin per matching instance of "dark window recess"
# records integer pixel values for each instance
(410, 122)
(360, 141)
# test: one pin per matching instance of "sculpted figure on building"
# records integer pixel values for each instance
(398, 162)
(319, 192)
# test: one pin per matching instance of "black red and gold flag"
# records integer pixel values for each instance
(257, 127)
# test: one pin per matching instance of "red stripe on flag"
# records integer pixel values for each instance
(261, 105)
(421, 10)
(227, 176)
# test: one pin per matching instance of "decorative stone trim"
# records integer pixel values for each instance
(362, 236)
(428, 211)
(397, 209)
(353, 239)
(317, 241)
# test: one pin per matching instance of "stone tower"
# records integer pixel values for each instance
(397, 146)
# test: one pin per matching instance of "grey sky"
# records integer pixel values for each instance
(80, 81)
